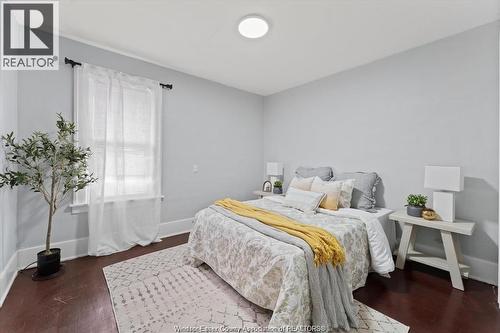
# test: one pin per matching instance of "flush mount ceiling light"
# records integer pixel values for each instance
(253, 26)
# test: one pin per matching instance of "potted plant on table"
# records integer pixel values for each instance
(416, 203)
(53, 167)
(278, 187)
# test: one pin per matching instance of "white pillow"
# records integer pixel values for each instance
(332, 192)
(300, 183)
(346, 187)
(305, 201)
(346, 192)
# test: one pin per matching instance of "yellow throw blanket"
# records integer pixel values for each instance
(325, 246)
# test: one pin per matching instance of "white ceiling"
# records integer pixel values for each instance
(307, 40)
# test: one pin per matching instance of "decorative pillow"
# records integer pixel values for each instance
(325, 173)
(363, 195)
(303, 184)
(305, 201)
(346, 192)
(332, 192)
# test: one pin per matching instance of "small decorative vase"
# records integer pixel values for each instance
(277, 190)
(429, 214)
(414, 211)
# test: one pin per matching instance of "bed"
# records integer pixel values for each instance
(273, 274)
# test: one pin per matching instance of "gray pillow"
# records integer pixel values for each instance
(325, 173)
(363, 195)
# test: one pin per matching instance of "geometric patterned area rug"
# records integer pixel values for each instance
(160, 293)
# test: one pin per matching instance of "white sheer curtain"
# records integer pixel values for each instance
(119, 117)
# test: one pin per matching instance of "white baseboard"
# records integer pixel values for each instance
(480, 269)
(76, 248)
(176, 227)
(7, 277)
(71, 249)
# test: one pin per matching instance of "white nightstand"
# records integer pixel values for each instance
(449, 232)
(262, 194)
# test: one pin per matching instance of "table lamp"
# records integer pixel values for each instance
(447, 180)
(274, 171)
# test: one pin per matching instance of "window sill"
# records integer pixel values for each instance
(84, 208)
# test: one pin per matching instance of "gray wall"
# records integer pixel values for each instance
(8, 197)
(216, 127)
(433, 105)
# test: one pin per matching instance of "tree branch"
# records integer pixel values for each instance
(42, 190)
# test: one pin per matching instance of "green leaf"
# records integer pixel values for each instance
(417, 200)
(39, 159)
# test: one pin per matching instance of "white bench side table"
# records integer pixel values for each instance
(449, 235)
(262, 194)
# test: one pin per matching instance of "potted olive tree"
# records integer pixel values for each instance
(55, 167)
(416, 203)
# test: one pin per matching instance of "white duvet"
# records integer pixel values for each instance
(380, 251)
(273, 274)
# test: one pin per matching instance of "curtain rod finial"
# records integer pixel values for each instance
(166, 86)
(71, 62)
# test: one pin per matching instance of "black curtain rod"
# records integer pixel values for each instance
(73, 63)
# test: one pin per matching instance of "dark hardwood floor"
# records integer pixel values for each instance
(78, 301)
(423, 298)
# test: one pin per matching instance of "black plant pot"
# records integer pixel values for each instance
(277, 190)
(48, 264)
(414, 211)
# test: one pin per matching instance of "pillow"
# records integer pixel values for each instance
(332, 192)
(363, 195)
(346, 192)
(325, 173)
(346, 188)
(305, 201)
(303, 184)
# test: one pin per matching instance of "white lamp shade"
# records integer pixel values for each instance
(274, 168)
(444, 178)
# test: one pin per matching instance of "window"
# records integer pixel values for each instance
(119, 117)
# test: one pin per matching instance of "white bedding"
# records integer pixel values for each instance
(380, 249)
(273, 274)
(382, 215)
